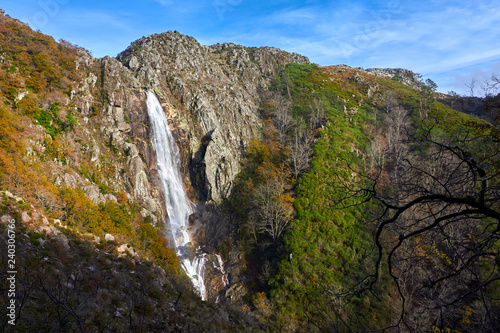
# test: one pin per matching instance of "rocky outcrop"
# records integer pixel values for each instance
(404, 76)
(102, 147)
(111, 141)
(211, 94)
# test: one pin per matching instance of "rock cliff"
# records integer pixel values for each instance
(211, 94)
(211, 97)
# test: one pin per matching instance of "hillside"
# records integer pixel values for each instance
(76, 149)
(323, 198)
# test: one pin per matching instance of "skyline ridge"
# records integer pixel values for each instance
(447, 42)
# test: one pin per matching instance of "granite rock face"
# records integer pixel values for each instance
(211, 96)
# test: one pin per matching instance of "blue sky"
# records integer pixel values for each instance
(450, 42)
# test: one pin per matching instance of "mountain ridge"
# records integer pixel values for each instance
(262, 134)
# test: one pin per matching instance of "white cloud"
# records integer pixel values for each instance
(459, 79)
(433, 37)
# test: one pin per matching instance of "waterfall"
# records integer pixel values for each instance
(176, 202)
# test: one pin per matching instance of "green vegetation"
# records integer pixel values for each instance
(331, 268)
(366, 205)
(35, 62)
(83, 214)
(327, 247)
(36, 72)
(52, 122)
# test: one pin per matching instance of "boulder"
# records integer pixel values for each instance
(6, 218)
(125, 248)
(25, 218)
(109, 238)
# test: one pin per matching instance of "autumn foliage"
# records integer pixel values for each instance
(36, 74)
(33, 61)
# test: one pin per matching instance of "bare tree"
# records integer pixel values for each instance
(266, 272)
(439, 232)
(397, 121)
(301, 152)
(390, 100)
(493, 83)
(318, 117)
(376, 153)
(272, 211)
(471, 86)
(282, 120)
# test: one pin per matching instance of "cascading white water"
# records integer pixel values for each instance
(220, 268)
(178, 207)
(225, 280)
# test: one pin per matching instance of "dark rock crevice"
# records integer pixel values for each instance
(198, 169)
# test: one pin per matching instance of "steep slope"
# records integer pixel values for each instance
(211, 94)
(75, 143)
(294, 169)
(73, 282)
(380, 230)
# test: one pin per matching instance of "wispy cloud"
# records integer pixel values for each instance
(433, 37)
(165, 2)
(82, 19)
(459, 80)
